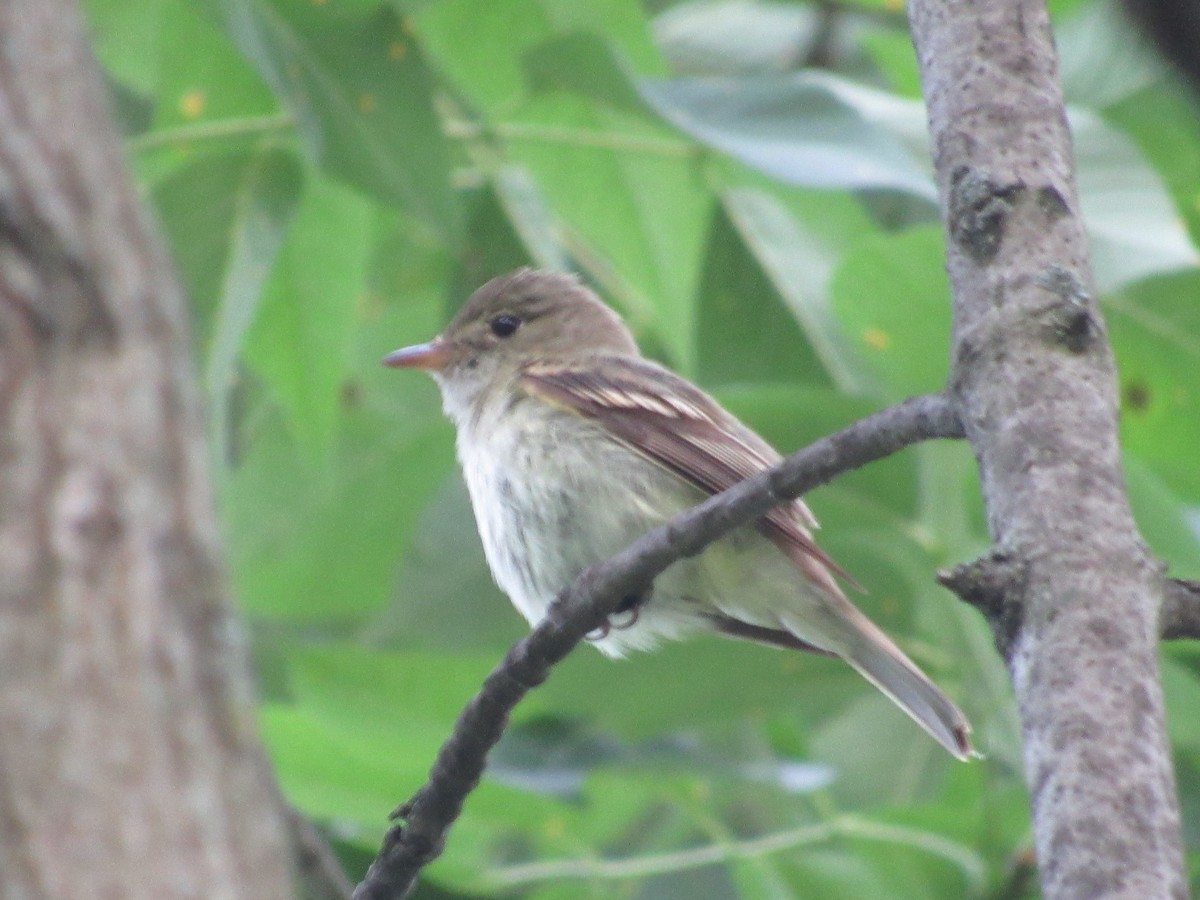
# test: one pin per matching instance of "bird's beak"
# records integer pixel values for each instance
(433, 356)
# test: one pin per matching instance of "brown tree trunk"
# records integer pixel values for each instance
(1034, 378)
(129, 765)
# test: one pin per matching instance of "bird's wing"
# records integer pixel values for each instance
(685, 431)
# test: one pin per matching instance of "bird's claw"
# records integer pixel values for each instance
(630, 609)
(631, 618)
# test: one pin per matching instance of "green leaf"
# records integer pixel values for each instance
(825, 873)
(361, 94)
(586, 65)
(880, 754)
(1134, 228)
(499, 236)
(920, 861)
(328, 777)
(126, 38)
(1162, 520)
(795, 128)
(745, 332)
(819, 130)
(1181, 690)
(301, 342)
(262, 211)
(634, 218)
(1162, 121)
(321, 543)
(203, 78)
(621, 22)
(448, 599)
(531, 217)
(799, 260)
(489, 73)
(1098, 63)
(552, 848)
(1154, 327)
(400, 707)
(318, 536)
(493, 74)
(793, 417)
(892, 51)
(893, 299)
(735, 37)
(1063, 8)
(919, 864)
(697, 683)
(225, 216)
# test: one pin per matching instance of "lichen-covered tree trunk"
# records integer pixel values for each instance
(1079, 595)
(129, 764)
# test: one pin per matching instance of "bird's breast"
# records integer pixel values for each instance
(552, 493)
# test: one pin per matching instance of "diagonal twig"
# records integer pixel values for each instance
(596, 594)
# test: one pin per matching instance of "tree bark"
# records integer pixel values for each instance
(1035, 382)
(129, 763)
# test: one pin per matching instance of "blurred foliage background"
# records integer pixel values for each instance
(748, 182)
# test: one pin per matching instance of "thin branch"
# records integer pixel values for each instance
(970, 863)
(1180, 615)
(991, 582)
(596, 594)
(464, 129)
(220, 129)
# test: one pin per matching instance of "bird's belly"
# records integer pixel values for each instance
(540, 530)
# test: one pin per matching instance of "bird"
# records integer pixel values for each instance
(573, 444)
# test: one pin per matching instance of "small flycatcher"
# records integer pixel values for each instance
(573, 445)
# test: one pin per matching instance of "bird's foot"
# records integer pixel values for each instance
(628, 613)
(624, 617)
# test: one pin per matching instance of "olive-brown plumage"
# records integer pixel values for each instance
(572, 445)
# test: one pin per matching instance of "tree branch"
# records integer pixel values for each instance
(1036, 385)
(989, 583)
(595, 595)
(1180, 615)
(131, 764)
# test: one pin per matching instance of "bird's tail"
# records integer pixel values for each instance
(861, 643)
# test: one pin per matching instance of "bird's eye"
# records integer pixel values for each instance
(504, 326)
